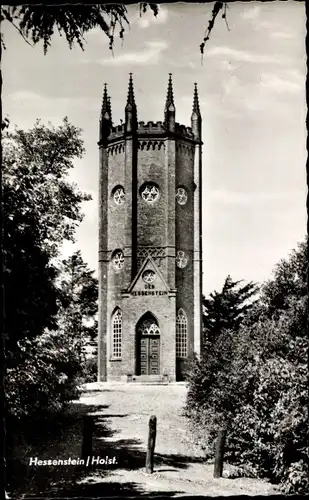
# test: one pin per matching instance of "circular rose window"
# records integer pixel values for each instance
(118, 195)
(149, 276)
(181, 259)
(181, 196)
(150, 192)
(118, 259)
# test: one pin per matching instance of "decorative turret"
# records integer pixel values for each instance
(106, 116)
(169, 112)
(130, 109)
(196, 119)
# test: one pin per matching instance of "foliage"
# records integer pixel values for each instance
(46, 379)
(254, 382)
(289, 281)
(227, 309)
(38, 23)
(41, 209)
(78, 290)
(215, 11)
(37, 193)
(91, 369)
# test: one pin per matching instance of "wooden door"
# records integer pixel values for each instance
(149, 355)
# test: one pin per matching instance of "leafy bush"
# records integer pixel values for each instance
(91, 369)
(46, 380)
(254, 383)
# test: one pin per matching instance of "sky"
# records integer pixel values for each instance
(252, 97)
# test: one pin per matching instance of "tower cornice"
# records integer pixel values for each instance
(153, 130)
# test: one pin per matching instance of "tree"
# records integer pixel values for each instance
(38, 23)
(41, 209)
(78, 290)
(227, 309)
(289, 280)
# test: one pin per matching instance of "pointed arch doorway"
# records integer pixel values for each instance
(148, 346)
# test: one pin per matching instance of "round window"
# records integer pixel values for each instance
(118, 195)
(181, 259)
(149, 276)
(118, 259)
(150, 192)
(181, 196)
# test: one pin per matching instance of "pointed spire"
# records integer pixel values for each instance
(169, 98)
(130, 109)
(196, 119)
(169, 112)
(196, 106)
(105, 102)
(131, 99)
(106, 116)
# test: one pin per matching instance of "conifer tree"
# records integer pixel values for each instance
(227, 309)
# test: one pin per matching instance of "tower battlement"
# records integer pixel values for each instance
(153, 129)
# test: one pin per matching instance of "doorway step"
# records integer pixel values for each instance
(148, 379)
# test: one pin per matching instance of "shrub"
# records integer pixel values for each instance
(91, 369)
(254, 382)
(46, 380)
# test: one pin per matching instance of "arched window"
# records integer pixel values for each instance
(116, 334)
(181, 334)
(148, 325)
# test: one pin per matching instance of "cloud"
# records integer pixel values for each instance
(143, 23)
(247, 198)
(240, 55)
(150, 54)
(280, 85)
(252, 13)
(29, 100)
(282, 35)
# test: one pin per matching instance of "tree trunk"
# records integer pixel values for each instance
(151, 444)
(218, 468)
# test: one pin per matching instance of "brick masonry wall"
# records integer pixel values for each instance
(163, 308)
(184, 237)
(152, 217)
(164, 223)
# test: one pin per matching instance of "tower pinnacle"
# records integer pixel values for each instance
(131, 99)
(196, 106)
(106, 116)
(130, 109)
(196, 120)
(105, 104)
(169, 111)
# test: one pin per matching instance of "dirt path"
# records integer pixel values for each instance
(121, 431)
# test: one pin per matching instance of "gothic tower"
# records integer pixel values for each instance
(150, 246)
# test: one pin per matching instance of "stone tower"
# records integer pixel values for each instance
(150, 245)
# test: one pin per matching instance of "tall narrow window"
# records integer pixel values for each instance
(117, 334)
(181, 335)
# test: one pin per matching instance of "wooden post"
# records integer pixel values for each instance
(151, 444)
(218, 468)
(87, 437)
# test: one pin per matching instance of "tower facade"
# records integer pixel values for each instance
(150, 243)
